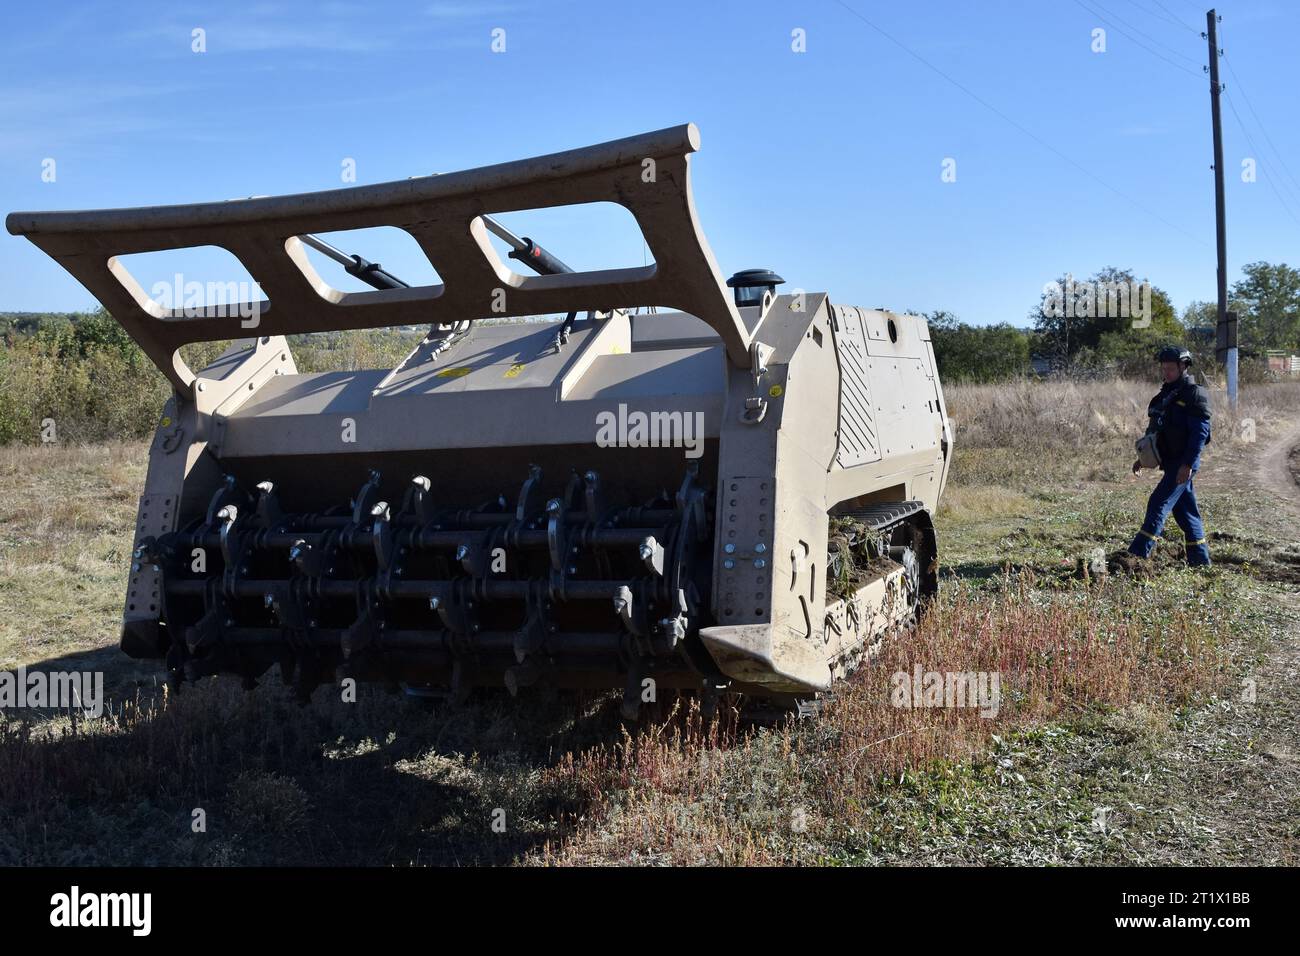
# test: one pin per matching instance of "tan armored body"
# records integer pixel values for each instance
(600, 502)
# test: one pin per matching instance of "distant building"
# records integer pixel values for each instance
(1282, 362)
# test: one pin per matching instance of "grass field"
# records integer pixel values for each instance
(1124, 732)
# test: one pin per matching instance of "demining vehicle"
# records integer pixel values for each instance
(654, 484)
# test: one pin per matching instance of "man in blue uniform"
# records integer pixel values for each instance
(1179, 428)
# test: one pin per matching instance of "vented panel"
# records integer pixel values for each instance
(858, 442)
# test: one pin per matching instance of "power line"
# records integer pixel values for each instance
(1292, 193)
(1169, 18)
(1156, 53)
(1145, 35)
(1277, 154)
(1255, 149)
(1007, 119)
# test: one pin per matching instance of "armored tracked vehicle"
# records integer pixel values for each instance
(600, 500)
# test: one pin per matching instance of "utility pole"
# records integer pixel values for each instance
(1226, 328)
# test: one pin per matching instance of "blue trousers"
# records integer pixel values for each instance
(1169, 496)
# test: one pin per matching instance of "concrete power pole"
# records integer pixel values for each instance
(1226, 327)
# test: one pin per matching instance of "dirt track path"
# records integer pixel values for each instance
(1279, 470)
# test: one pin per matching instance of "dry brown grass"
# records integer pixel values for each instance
(990, 501)
(689, 792)
(1024, 433)
(65, 521)
(577, 787)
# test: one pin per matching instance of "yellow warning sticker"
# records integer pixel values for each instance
(775, 391)
(616, 350)
(514, 370)
(456, 372)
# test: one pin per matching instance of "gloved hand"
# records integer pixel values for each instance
(1184, 474)
(1137, 466)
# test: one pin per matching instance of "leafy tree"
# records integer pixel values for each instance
(974, 353)
(1201, 315)
(1089, 333)
(98, 331)
(80, 335)
(1269, 316)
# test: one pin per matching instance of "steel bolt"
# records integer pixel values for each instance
(728, 564)
(760, 547)
(729, 548)
(760, 563)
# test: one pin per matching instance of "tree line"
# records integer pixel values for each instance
(1266, 299)
(83, 371)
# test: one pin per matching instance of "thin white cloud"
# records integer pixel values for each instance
(453, 10)
(48, 118)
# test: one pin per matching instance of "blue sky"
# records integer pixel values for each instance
(824, 165)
